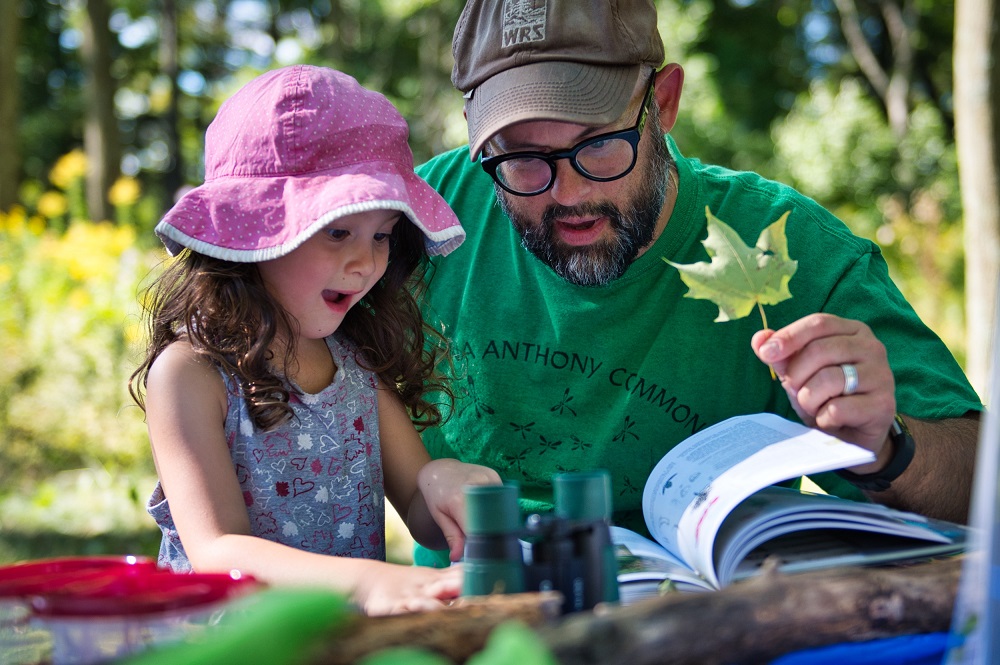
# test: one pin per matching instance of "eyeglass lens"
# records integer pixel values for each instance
(604, 159)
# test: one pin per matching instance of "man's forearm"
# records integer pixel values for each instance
(938, 482)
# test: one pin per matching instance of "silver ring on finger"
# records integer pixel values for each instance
(850, 379)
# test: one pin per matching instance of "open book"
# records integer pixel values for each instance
(714, 513)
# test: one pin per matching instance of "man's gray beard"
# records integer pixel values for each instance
(607, 260)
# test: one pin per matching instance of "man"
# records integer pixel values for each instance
(574, 344)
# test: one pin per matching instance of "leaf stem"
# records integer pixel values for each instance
(763, 317)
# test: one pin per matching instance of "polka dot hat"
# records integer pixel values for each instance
(293, 150)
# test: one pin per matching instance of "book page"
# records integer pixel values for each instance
(642, 560)
(705, 476)
(837, 532)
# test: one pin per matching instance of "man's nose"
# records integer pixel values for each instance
(569, 187)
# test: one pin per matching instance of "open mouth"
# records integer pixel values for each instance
(336, 297)
(580, 232)
(578, 226)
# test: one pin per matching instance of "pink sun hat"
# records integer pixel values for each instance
(293, 150)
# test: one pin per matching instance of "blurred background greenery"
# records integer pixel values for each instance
(772, 86)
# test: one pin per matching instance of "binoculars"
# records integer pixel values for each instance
(568, 551)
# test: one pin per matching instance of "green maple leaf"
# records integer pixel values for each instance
(738, 277)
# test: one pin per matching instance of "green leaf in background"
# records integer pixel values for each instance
(739, 277)
(276, 626)
(513, 642)
(404, 656)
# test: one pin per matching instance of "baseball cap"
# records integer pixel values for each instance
(293, 150)
(567, 60)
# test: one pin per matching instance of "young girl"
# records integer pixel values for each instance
(287, 353)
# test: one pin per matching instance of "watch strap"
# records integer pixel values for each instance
(902, 454)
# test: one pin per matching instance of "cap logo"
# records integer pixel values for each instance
(523, 21)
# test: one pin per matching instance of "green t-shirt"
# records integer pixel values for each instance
(554, 377)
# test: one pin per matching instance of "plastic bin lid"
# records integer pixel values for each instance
(43, 575)
(149, 592)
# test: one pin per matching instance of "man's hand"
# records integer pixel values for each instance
(808, 357)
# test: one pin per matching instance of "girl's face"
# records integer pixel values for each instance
(328, 274)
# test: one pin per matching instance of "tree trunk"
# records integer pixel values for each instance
(101, 141)
(336, 50)
(890, 82)
(10, 105)
(749, 622)
(977, 85)
(173, 179)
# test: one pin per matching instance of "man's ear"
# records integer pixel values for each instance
(667, 90)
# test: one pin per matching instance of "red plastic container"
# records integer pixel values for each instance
(94, 610)
(22, 640)
(46, 575)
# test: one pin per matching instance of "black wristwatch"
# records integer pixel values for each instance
(903, 447)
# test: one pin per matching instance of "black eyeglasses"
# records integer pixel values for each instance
(601, 158)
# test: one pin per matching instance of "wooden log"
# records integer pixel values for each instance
(763, 618)
(751, 622)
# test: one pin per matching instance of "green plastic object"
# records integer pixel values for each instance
(583, 495)
(492, 562)
(492, 509)
(586, 496)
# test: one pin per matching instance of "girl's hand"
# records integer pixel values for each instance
(441, 482)
(395, 589)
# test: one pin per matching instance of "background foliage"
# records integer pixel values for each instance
(769, 86)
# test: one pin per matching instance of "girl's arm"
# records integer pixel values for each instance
(185, 411)
(428, 493)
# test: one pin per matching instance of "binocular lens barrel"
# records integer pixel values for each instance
(569, 551)
(492, 561)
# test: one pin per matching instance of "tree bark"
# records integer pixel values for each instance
(10, 105)
(977, 132)
(750, 622)
(762, 619)
(100, 134)
(169, 57)
(891, 84)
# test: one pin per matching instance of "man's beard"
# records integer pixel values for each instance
(633, 226)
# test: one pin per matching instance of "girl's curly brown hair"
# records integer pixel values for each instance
(223, 309)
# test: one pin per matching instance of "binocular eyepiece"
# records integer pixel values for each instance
(569, 551)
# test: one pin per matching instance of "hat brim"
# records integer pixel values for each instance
(281, 213)
(562, 91)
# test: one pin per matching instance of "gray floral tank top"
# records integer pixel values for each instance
(315, 481)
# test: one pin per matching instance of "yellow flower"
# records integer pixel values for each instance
(68, 169)
(124, 192)
(90, 251)
(78, 299)
(12, 220)
(36, 225)
(52, 204)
